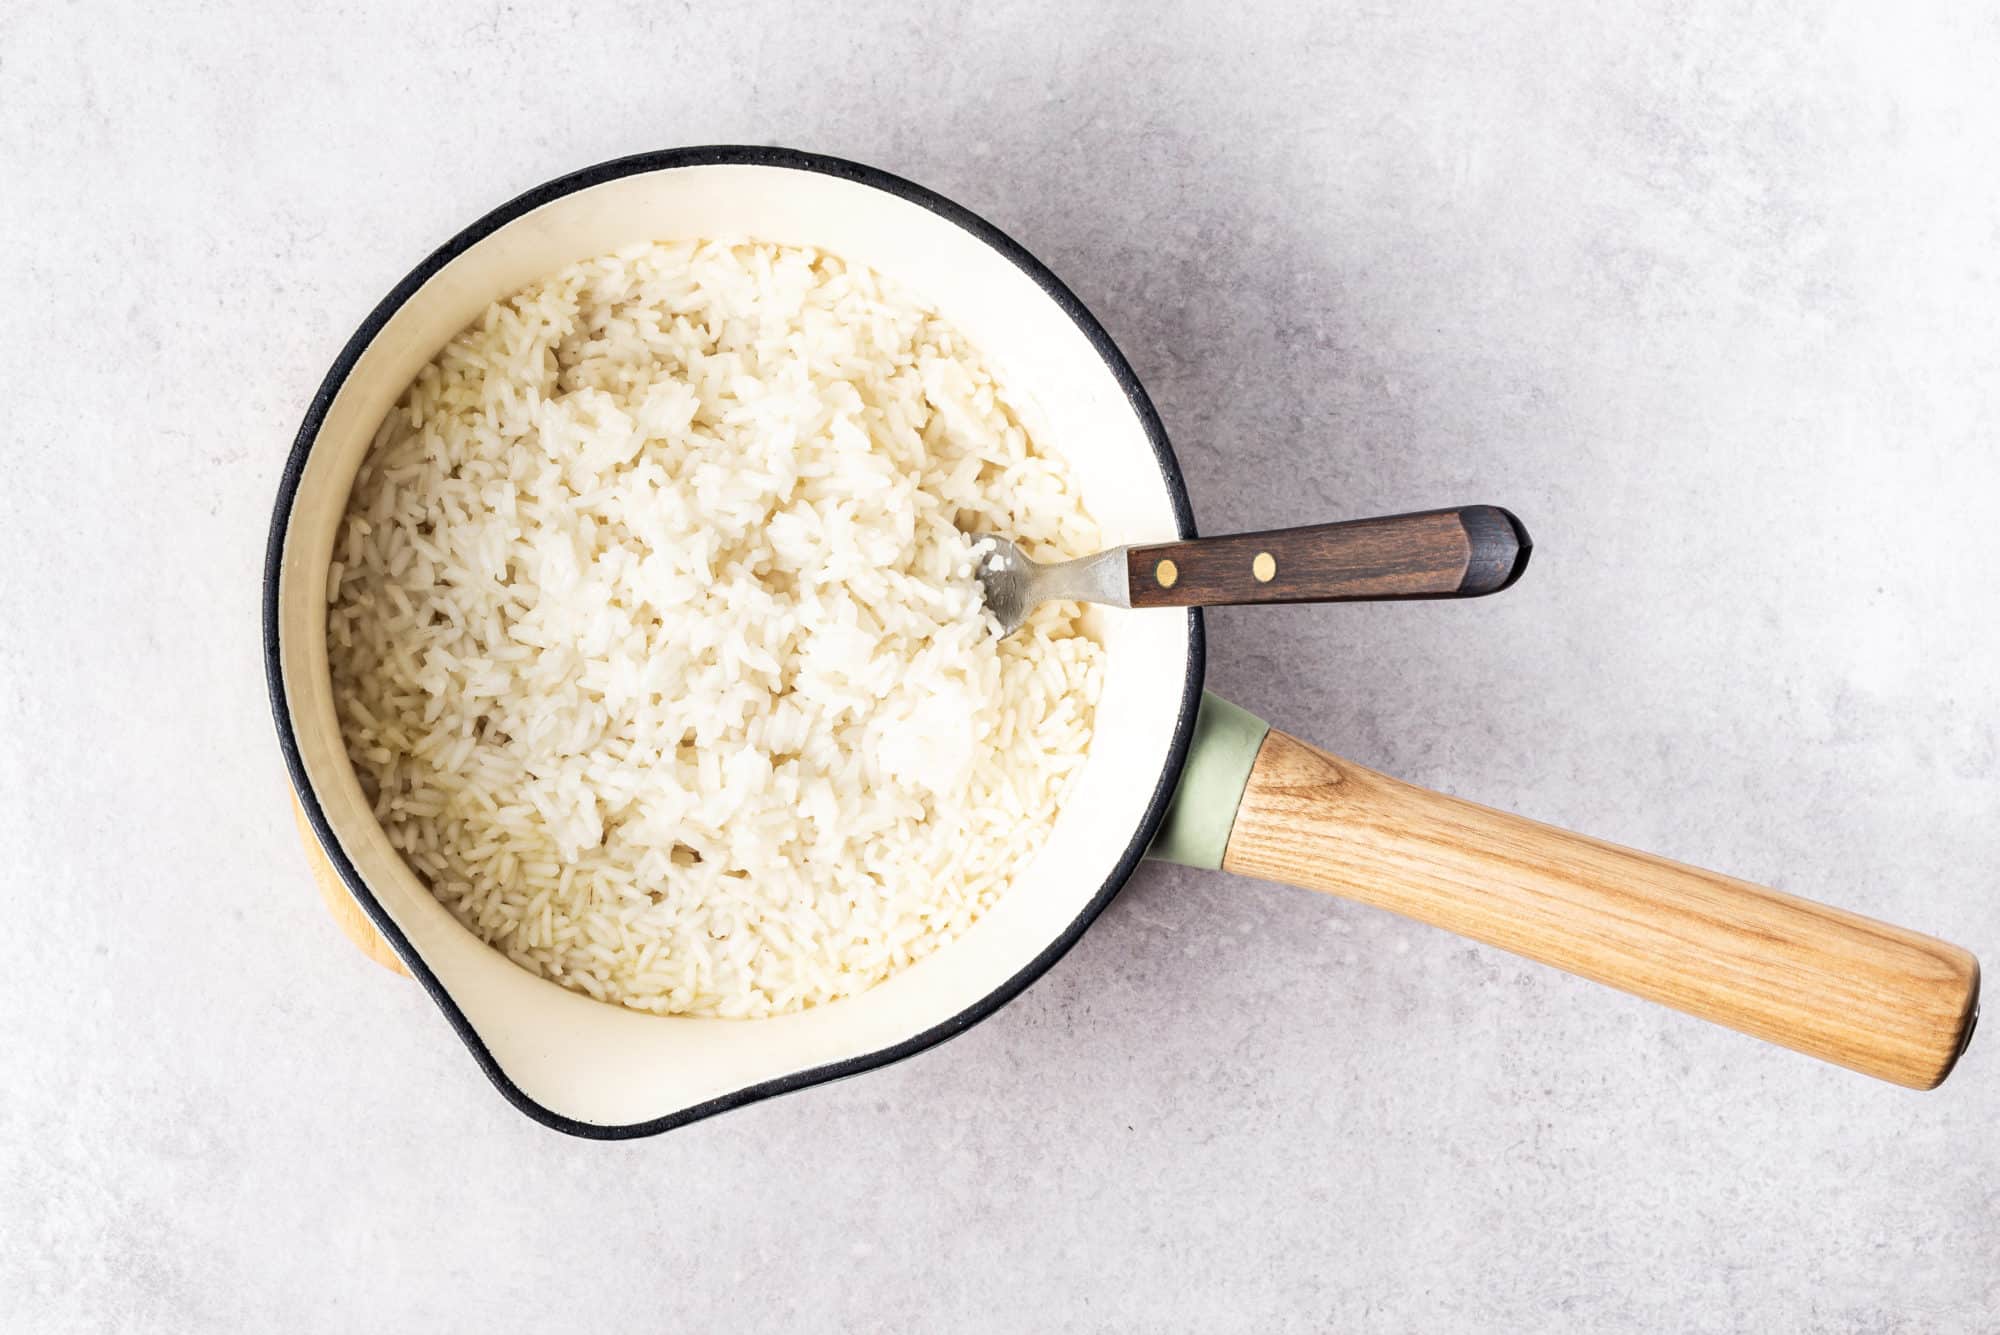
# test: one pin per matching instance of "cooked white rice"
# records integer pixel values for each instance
(654, 638)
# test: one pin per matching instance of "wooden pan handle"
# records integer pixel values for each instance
(1884, 1001)
(1461, 553)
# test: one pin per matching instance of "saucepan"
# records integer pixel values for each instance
(1172, 772)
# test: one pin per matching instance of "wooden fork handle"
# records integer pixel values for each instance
(1460, 553)
(1882, 1000)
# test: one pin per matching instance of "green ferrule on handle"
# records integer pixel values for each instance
(1203, 810)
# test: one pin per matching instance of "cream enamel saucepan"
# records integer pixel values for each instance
(1172, 773)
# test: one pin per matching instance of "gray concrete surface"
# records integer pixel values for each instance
(1709, 293)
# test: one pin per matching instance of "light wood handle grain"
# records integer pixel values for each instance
(1881, 1000)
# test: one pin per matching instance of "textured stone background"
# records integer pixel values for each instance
(1709, 293)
